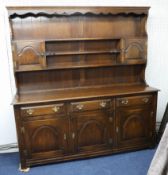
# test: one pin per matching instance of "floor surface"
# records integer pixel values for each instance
(133, 163)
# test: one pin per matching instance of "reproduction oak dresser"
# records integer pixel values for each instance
(80, 77)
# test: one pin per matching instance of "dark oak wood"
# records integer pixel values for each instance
(91, 131)
(80, 77)
(134, 124)
(80, 93)
(53, 129)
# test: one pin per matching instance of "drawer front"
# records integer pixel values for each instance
(43, 110)
(91, 105)
(135, 100)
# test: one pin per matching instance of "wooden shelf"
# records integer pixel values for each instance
(80, 93)
(80, 39)
(47, 40)
(81, 66)
(82, 53)
(77, 66)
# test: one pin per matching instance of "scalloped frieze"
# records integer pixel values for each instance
(23, 12)
(66, 14)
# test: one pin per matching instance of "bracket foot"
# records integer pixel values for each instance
(25, 170)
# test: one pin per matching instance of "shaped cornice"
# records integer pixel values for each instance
(23, 12)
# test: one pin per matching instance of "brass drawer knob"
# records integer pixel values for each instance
(73, 135)
(56, 108)
(124, 102)
(145, 100)
(110, 119)
(30, 111)
(103, 104)
(79, 106)
(42, 54)
(65, 137)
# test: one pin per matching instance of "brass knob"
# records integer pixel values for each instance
(30, 111)
(145, 100)
(65, 137)
(55, 108)
(103, 104)
(110, 119)
(79, 106)
(124, 102)
(42, 54)
(73, 135)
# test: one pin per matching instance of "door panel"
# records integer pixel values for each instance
(47, 137)
(29, 55)
(134, 125)
(135, 50)
(92, 130)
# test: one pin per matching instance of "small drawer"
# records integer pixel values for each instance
(135, 100)
(43, 110)
(91, 105)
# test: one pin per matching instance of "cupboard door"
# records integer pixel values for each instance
(46, 137)
(134, 50)
(29, 55)
(91, 131)
(133, 126)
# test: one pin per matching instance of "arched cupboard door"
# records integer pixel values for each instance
(134, 121)
(92, 127)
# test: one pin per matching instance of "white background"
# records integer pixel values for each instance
(157, 66)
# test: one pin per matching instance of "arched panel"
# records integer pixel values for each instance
(28, 55)
(133, 127)
(134, 51)
(92, 132)
(45, 138)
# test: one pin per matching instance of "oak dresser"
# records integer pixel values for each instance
(80, 77)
